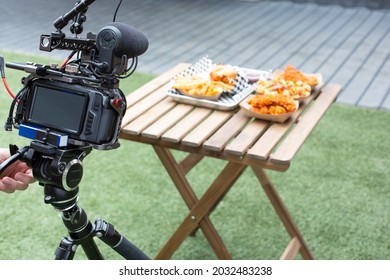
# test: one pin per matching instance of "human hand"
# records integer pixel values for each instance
(17, 176)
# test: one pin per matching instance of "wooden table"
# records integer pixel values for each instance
(154, 118)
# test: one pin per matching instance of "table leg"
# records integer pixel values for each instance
(297, 241)
(190, 161)
(199, 209)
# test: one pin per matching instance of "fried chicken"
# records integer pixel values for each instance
(272, 104)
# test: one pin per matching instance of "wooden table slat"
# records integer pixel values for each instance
(205, 129)
(167, 121)
(150, 116)
(142, 106)
(222, 136)
(185, 125)
(247, 137)
(295, 139)
(264, 146)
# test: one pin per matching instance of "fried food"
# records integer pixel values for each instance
(272, 104)
(292, 74)
(290, 82)
(196, 85)
(283, 87)
(224, 75)
(220, 79)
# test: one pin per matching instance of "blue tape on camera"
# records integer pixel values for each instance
(43, 135)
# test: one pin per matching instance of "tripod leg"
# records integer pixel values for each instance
(107, 233)
(81, 232)
(91, 250)
(66, 250)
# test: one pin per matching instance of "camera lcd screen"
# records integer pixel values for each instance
(58, 108)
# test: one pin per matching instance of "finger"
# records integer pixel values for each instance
(11, 170)
(26, 177)
(6, 187)
(11, 185)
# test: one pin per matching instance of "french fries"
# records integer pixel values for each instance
(221, 78)
(196, 85)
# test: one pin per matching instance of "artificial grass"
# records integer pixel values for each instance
(337, 191)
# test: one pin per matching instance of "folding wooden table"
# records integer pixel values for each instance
(153, 118)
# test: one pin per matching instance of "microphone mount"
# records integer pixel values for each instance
(77, 12)
(58, 40)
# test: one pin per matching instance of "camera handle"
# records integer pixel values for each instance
(15, 155)
(59, 171)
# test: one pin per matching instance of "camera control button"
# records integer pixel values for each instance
(119, 105)
(97, 101)
(89, 123)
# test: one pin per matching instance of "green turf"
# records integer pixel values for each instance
(337, 191)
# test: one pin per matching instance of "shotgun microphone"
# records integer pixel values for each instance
(118, 39)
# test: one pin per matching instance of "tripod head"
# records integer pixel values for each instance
(59, 170)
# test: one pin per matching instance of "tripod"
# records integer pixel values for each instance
(60, 171)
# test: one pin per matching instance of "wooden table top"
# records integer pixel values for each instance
(153, 117)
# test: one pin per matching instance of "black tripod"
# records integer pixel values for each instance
(60, 171)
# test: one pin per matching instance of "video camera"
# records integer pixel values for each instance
(78, 103)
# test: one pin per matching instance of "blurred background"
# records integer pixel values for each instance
(345, 40)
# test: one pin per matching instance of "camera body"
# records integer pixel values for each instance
(78, 103)
(83, 113)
